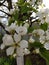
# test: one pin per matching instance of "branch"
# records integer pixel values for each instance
(6, 13)
(34, 20)
(3, 17)
(2, 3)
(9, 4)
(4, 28)
(5, 6)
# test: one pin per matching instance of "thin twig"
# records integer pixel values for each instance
(2, 3)
(6, 13)
(3, 17)
(4, 28)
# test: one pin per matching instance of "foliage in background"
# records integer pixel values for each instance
(7, 61)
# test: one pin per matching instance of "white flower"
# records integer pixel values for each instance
(38, 32)
(21, 30)
(2, 46)
(42, 39)
(42, 14)
(8, 40)
(26, 25)
(10, 51)
(11, 27)
(23, 44)
(31, 40)
(46, 45)
(17, 38)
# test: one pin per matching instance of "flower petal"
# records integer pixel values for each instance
(20, 51)
(23, 44)
(8, 40)
(46, 45)
(2, 46)
(17, 38)
(10, 50)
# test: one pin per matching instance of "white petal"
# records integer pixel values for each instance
(10, 50)
(17, 38)
(38, 32)
(20, 51)
(26, 25)
(8, 40)
(31, 40)
(26, 51)
(22, 30)
(46, 45)
(11, 27)
(42, 39)
(2, 46)
(23, 44)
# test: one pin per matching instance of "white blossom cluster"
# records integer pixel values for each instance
(43, 37)
(15, 40)
(43, 15)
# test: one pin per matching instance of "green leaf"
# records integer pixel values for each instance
(44, 26)
(30, 29)
(25, 8)
(45, 54)
(11, 20)
(21, 1)
(36, 45)
(16, 15)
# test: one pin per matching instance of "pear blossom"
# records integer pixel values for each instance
(20, 50)
(8, 40)
(38, 32)
(46, 45)
(22, 30)
(42, 14)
